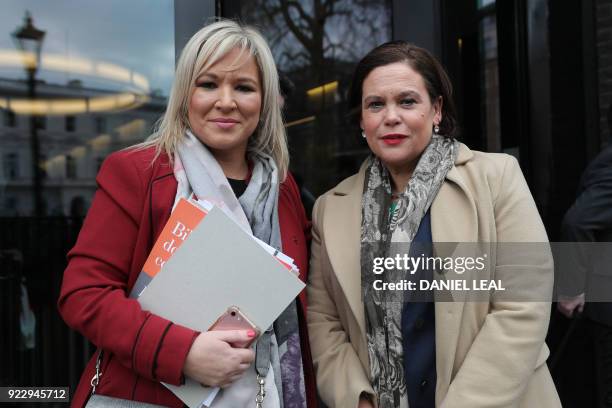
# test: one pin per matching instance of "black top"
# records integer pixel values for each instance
(419, 329)
(238, 186)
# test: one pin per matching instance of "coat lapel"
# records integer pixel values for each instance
(163, 192)
(453, 220)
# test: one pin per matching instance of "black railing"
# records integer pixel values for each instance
(33, 254)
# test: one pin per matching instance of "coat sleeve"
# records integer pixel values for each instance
(588, 220)
(510, 343)
(93, 296)
(590, 213)
(339, 373)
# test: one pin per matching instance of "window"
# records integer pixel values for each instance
(485, 3)
(489, 83)
(100, 125)
(87, 71)
(42, 166)
(316, 50)
(79, 87)
(71, 173)
(70, 123)
(11, 205)
(41, 122)
(99, 162)
(11, 166)
(10, 120)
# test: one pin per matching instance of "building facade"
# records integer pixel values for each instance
(72, 148)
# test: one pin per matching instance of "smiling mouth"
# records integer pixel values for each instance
(224, 120)
(393, 139)
(225, 123)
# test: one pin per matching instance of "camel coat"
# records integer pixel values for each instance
(488, 353)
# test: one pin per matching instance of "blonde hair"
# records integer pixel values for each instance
(205, 48)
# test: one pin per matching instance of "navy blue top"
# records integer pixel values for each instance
(419, 329)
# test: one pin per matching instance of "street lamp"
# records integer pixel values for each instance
(28, 40)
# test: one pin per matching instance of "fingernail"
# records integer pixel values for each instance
(251, 333)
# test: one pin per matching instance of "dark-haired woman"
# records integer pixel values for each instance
(421, 185)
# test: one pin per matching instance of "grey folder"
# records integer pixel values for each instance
(220, 265)
(217, 266)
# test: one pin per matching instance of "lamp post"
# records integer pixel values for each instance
(28, 40)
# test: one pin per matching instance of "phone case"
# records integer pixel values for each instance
(234, 319)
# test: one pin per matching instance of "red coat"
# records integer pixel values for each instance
(129, 210)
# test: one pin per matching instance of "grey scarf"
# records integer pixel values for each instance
(380, 228)
(197, 171)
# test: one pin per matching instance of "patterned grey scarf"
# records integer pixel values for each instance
(379, 229)
(197, 171)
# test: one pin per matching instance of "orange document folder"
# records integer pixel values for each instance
(185, 217)
(183, 220)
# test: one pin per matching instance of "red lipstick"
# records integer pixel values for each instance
(393, 138)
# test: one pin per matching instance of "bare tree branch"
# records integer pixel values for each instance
(303, 38)
(303, 15)
(295, 56)
(311, 34)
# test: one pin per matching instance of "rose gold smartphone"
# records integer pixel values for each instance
(234, 319)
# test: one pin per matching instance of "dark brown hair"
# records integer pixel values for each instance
(435, 78)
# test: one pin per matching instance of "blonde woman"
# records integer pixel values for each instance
(222, 138)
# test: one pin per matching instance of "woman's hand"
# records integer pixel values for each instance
(212, 360)
(571, 306)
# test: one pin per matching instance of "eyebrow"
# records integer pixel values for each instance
(402, 94)
(414, 94)
(238, 79)
(247, 79)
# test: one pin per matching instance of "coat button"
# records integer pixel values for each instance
(423, 383)
(419, 323)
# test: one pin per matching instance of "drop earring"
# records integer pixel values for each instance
(436, 129)
(363, 134)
